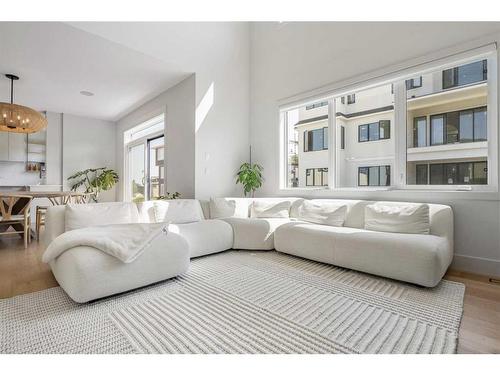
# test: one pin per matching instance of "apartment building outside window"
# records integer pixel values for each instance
(446, 129)
(317, 177)
(316, 140)
(465, 74)
(379, 175)
(375, 131)
(413, 83)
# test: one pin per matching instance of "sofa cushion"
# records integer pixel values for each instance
(89, 215)
(228, 207)
(355, 210)
(415, 258)
(326, 213)
(397, 217)
(253, 233)
(205, 237)
(177, 211)
(266, 209)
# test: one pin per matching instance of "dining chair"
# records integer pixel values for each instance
(15, 213)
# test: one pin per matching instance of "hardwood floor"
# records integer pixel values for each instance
(22, 271)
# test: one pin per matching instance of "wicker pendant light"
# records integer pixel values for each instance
(17, 118)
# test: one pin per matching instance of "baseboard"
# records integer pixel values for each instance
(480, 266)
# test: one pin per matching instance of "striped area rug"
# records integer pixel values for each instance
(267, 302)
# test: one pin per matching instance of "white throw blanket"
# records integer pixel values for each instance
(123, 241)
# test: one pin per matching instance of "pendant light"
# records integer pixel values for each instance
(17, 118)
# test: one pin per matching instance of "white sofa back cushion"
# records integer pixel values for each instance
(177, 211)
(326, 213)
(266, 209)
(88, 215)
(398, 217)
(228, 207)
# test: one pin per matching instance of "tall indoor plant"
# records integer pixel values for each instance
(250, 176)
(94, 180)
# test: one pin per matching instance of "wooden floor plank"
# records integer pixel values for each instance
(22, 271)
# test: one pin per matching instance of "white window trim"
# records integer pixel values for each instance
(398, 77)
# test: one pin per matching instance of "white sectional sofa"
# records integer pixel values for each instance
(419, 255)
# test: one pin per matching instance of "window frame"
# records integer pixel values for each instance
(387, 167)
(455, 71)
(368, 131)
(306, 137)
(322, 172)
(410, 83)
(396, 75)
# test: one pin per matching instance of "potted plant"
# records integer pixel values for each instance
(94, 180)
(250, 176)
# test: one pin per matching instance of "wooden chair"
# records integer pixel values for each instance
(15, 213)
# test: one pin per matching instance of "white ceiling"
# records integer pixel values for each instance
(56, 61)
(127, 63)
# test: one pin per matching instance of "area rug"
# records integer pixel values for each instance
(243, 302)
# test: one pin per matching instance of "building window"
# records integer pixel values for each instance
(351, 99)
(316, 105)
(422, 173)
(437, 130)
(420, 132)
(316, 140)
(379, 175)
(374, 131)
(342, 138)
(465, 74)
(317, 177)
(464, 173)
(413, 83)
(459, 127)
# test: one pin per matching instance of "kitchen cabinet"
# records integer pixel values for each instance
(4, 146)
(17, 147)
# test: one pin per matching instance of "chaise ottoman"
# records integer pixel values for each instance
(86, 273)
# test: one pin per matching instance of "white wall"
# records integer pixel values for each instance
(87, 143)
(178, 105)
(54, 150)
(292, 58)
(219, 54)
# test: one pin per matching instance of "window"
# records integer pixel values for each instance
(316, 105)
(316, 140)
(437, 130)
(453, 119)
(342, 138)
(446, 133)
(461, 126)
(306, 133)
(420, 132)
(374, 175)
(465, 173)
(413, 83)
(465, 74)
(145, 160)
(374, 131)
(317, 177)
(422, 174)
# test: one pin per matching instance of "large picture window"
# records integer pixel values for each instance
(429, 128)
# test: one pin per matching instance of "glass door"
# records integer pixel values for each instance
(156, 170)
(136, 172)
